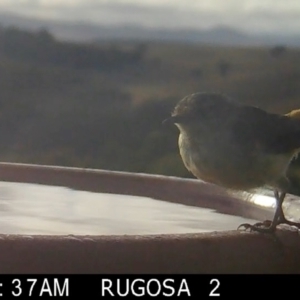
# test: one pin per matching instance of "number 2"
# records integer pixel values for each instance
(212, 293)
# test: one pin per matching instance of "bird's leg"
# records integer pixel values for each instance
(281, 217)
(279, 200)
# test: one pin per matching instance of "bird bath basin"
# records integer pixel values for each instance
(71, 220)
(105, 204)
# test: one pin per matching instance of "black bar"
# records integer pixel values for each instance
(147, 286)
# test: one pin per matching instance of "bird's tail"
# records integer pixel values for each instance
(295, 116)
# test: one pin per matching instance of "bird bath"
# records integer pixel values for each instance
(71, 220)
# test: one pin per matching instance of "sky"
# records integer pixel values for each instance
(274, 16)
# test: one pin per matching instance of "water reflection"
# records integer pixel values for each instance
(265, 197)
(39, 209)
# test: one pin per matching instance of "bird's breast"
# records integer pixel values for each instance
(198, 160)
(229, 167)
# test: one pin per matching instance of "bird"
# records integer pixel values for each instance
(237, 146)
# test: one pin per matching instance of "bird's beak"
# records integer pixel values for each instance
(168, 121)
(171, 120)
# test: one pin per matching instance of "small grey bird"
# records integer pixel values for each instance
(237, 146)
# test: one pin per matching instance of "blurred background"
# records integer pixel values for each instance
(87, 83)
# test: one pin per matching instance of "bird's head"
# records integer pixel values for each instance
(198, 107)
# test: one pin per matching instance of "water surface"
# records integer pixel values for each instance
(40, 209)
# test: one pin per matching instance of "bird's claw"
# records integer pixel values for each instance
(288, 222)
(264, 227)
(245, 225)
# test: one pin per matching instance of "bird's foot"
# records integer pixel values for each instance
(266, 226)
(279, 218)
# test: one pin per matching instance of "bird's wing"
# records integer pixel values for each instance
(272, 133)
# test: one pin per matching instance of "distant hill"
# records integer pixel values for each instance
(77, 31)
(102, 105)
